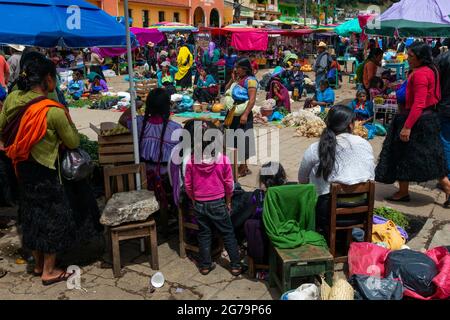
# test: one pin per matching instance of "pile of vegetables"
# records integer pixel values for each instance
(117, 130)
(105, 102)
(82, 103)
(91, 147)
(391, 214)
(306, 68)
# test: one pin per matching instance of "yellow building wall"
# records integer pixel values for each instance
(97, 3)
(153, 13)
(227, 15)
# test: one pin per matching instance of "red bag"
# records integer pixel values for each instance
(366, 258)
(441, 257)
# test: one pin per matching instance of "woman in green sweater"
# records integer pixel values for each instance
(45, 214)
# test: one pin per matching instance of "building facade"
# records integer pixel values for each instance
(147, 12)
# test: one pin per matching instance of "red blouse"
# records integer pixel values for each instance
(422, 91)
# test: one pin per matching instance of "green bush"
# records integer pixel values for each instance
(391, 214)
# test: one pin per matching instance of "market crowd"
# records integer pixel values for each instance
(54, 213)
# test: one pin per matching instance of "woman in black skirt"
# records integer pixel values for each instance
(46, 218)
(412, 150)
(243, 91)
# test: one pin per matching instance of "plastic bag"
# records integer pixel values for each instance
(374, 288)
(366, 258)
(307, 291)
(441, 257)
(76, 165)
(415, 269)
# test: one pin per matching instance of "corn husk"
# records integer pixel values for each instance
(309, 125)
(360, 130)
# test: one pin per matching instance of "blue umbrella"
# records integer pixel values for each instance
(63, 23)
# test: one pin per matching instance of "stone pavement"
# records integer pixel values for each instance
(183, 281)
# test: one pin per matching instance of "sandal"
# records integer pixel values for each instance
(206, 271)
(236, 271)
(64, 276)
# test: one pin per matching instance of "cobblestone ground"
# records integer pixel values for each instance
(182, 278)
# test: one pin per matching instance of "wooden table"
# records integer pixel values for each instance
(303, 261)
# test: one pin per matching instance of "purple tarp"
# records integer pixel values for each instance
(144, 36)
(432, 11)
(147, 35)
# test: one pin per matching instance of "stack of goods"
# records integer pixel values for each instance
(114, 130)
(309, 124)
(306, 68)
(378, 273)
(103, 102)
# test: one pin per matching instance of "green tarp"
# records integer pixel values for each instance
(347, 28)
(289, 216)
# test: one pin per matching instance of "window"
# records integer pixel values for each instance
(145, 22)
(176, 17)
(161, 15)
(272, 2)
(130, 15)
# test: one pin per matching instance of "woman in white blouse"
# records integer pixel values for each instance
(339, 157)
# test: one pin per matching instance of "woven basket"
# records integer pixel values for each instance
(325, 290)
(341, 290)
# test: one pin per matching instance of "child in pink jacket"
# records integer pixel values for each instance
(209, 183)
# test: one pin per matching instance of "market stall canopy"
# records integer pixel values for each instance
(250, 41)
(411, 18)
(145, 36)
(173, 27)
(58, 23)
(349, 27)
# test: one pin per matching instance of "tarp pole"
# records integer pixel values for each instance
(132, 94)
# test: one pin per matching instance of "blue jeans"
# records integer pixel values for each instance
(320, 77)
(445, 138)
(215, 214)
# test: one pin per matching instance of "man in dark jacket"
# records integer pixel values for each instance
(443, 63)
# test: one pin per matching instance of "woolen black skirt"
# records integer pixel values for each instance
(249, 149)
(55, 217)
(419, 160)
(186, 81)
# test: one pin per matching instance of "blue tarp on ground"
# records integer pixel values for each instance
(64, 23)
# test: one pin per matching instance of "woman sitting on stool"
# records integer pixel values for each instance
(206, 89)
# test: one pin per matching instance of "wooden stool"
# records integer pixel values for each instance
(304, 261)
(252, 267)
(130, 231)
(122, 179)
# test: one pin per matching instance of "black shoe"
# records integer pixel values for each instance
(402, 199)
(446, 204)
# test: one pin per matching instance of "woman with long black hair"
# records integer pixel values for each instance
(412, 151)
(45, 212)
(339, 157)
(155, 135)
